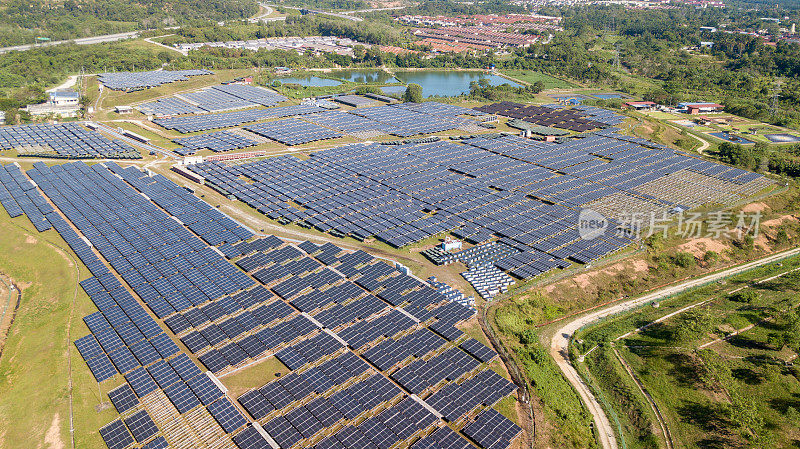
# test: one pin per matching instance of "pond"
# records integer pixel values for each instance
(310, 81)
(448, 83)
(364, 76)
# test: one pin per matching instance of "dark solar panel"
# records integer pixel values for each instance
(123, 398)
(181, 397)
(226, 415)
(116, 436)
(205, 389)
(141, 426)
(249, 438)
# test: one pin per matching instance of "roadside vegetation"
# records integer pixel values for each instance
(721, 372)
(523, 316)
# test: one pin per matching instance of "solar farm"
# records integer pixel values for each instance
(307, 123)
(523, 196)
(187, 301)
(219, 98)
(219, 141)
(194, 123)
(579, 119)
(67, 141)
(133, 81)
(374, 355)
(292, 131)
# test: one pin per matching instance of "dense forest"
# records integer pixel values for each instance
(22, 21)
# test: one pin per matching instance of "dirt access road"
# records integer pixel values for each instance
(560, 342)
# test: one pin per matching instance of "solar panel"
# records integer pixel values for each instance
(88, 347)
(478, 350)
(123, 398)
(256, 404)
(181, 397)
(116, 436)
(249, 438)
(205, 389)
(185, 368)
(214, 361)
(141, 426)
(226, 415)
(101, 368)
(141, 382)
(282, 432)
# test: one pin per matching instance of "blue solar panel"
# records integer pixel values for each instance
(226, 415)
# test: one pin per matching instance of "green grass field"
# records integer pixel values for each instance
(531, 76)
(34, 369)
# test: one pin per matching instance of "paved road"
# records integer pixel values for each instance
(81, 41)
(333, 14)
(264, 17)
(168, 47)
(560, 341)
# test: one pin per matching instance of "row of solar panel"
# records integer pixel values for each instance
(64, 140)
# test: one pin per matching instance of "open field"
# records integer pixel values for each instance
(530, 77)
(39, 360)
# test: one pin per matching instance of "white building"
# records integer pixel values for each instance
(64, 98)
(61, 103)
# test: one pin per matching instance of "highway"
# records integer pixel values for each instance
(81, 41)
(560, 342)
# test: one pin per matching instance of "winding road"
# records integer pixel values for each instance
(559, 344)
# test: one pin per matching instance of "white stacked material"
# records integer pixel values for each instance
(452, 294)
(487, 280)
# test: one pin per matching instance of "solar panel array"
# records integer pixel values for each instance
(380, 324)
(557, 117)
(292, 131)
(525, 194)
(18, 195)
(380, 327)
(169, 106)
(131, 81)
(350, 123)
(64, 140)
(406, 122)
(219, 141)
(156, 400)
(195, 123)
(213, 99)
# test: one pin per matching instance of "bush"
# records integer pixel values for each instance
(710, 257)
(683, 259)
(747, 296)
(413, 93)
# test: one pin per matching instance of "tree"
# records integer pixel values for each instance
(413, 93)
(683, 259)
(747, 296)
(692, 325)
